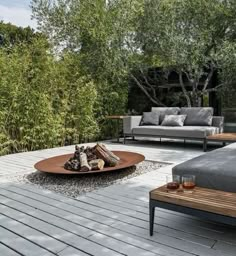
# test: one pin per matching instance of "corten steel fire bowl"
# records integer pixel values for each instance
(56, 164)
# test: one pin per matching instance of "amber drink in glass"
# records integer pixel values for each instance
(188, 182)
(172, 182)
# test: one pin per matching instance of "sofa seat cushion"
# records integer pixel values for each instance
(176, 131)
(162, 111)
(214, 170)
(197, 116)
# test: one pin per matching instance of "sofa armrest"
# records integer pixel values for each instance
(218, 121)
(129, 122)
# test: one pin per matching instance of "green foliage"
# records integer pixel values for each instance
(94, 33)
(43, 101)
(11, 34)
(227, 59)
(186, 36)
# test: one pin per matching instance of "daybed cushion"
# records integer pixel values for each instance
(214, 170)
(149, 118)
(176, 131)
(197, 116)
(165, 111)
(173, 120)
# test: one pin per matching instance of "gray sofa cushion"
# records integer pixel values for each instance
(214, 170)
(149, 118)
(176, 131)
(197, 116)
(165, 111)
(173, 120)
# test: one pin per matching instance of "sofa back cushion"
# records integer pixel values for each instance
(149, 118)
(198, 116)
(162, 111)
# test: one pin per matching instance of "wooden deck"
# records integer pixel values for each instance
(110, 221)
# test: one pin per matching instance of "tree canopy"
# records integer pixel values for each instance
(11, 34)
(113, 38)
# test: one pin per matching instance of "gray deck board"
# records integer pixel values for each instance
(109, 221)
(6, 251)
(12, 224)
(21, 245)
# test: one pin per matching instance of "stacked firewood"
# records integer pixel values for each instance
(91, 158)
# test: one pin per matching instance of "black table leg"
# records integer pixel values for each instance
(118, 130)
(151, 216)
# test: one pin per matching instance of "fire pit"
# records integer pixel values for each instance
(56, 164)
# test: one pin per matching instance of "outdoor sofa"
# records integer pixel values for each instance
(198, 124)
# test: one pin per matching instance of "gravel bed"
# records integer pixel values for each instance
(78, 184)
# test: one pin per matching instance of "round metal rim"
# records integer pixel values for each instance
(56, 164)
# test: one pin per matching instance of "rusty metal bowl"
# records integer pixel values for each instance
(56, 164)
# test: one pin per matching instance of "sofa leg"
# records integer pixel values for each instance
(124, 141)
(204, 145)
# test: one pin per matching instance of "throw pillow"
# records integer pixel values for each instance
(149, 118)
(173, 120)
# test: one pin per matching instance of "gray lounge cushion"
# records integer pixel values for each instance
(173, 120)
(214, 170)
(197, 116)
(176, 131)
(149, 118)
(162, 111)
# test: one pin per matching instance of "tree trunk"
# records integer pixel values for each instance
(196, 99)
(184, 89)
(152, 98)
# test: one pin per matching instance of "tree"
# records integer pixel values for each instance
(186, 36)
(119, 39)
(11, 35)
(97, 32)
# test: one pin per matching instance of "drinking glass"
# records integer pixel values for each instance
(188, 182)
(172, 182)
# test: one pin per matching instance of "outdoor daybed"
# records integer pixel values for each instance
(198, 123)
(213, 170)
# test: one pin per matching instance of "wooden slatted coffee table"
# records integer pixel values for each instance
(212, 204)
(222, 137)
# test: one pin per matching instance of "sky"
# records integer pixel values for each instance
(16, 12)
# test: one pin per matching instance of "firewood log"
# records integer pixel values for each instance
(89, 151)
(97, 164)
(84, 163)
(103, 153)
